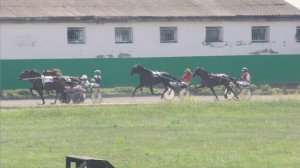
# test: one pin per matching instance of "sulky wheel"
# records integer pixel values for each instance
(183, 93)
(96, 97)
(170, 94)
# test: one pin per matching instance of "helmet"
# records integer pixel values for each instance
(245, 69)
(97, 71)
(57, 72)
(187, 70)
(84, 77)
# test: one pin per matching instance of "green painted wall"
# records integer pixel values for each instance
(271, 69)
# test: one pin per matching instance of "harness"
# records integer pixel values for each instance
(47, 79)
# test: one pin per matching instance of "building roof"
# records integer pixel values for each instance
(145, 9)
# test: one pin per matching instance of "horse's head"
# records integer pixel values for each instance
(201, 72)
(198, 72)
(137, 69)
(29, 74)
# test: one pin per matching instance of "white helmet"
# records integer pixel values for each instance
(84, 77)
(245, 69)
(98, 71)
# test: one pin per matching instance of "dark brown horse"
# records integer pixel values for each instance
(37, 83)
(210, 80)
(149, 78)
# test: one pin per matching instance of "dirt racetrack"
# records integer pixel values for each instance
(135, 100)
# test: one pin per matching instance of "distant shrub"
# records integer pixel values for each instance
(18, 93)
(252, 87)
(277, 91)
(265, 87)
(23, 92)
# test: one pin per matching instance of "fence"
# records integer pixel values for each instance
(264, 69)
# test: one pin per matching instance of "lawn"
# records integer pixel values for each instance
(170, 135)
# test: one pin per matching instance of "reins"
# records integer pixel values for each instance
(31, 78)
(167, 77)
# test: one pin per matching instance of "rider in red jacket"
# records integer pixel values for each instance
(187, 77)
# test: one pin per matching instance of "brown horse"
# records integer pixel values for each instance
(37, 83)
(210, 80)
(149, 78)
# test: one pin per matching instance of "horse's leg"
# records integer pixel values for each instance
(141, 89)
(167, 85)
(227, 91)
(163, 93)
(152, 92)
(56, 96)
(135, 90)
(212, 89)
(231, 90)
(31, 92)
(48, 92)
(42, 96)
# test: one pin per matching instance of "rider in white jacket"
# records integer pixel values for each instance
(245, 78)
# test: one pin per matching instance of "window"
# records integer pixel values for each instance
(168, 34)
(260, 34)
(298, 34)
(214, 34)
(123, 35)
(76, 35)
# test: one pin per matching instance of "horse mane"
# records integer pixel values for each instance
(204, 72)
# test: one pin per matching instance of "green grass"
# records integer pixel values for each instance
(170, 135)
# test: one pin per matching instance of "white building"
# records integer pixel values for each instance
(49, 29)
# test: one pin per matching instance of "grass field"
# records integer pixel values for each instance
(186, 134)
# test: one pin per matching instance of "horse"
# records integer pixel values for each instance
(36, 80)
(149, 78)
(210, 80)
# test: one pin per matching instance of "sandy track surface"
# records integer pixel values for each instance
(130, 100)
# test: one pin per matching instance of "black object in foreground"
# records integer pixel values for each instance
(87, 162)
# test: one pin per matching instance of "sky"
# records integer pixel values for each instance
(294, 2)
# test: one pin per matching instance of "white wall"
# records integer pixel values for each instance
(49, 40)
